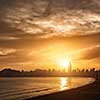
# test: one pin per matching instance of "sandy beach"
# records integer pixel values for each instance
(88, 92)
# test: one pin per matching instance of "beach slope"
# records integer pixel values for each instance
(88, 92)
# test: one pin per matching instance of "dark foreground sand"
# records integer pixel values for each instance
(89, 92)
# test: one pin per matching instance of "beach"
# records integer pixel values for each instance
(88, 92)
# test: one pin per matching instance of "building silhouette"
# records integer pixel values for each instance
(70, 67)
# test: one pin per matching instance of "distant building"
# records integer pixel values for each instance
(70, 67)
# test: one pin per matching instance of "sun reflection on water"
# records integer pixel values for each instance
(64, 83)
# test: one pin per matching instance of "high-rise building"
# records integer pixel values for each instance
(70, 67)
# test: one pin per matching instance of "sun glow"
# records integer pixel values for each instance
(64, 83)
(64, 63)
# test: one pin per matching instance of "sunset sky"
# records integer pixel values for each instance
(40, 33)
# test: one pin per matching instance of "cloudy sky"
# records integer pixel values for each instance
(39, 33)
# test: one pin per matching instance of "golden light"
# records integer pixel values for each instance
(64, 63)
(64, 83)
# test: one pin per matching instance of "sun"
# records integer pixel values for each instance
(64, 63)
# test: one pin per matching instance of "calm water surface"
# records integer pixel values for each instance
(21, 88)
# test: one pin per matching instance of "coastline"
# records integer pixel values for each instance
(87, 92)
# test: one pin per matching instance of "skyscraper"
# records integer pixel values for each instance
(70, 67)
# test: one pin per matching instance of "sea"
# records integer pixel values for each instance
(19, 88)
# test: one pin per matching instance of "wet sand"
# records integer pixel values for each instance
(88, 92)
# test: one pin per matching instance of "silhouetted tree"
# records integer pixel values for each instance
(92, 70)
(83, 70)
(87, 70)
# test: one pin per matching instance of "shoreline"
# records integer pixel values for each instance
(88, 92)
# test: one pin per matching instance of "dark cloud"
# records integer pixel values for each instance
(6, 52)
(8, 55)
(91, 53)
(48, 18)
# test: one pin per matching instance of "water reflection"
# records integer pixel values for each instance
(65, 83)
